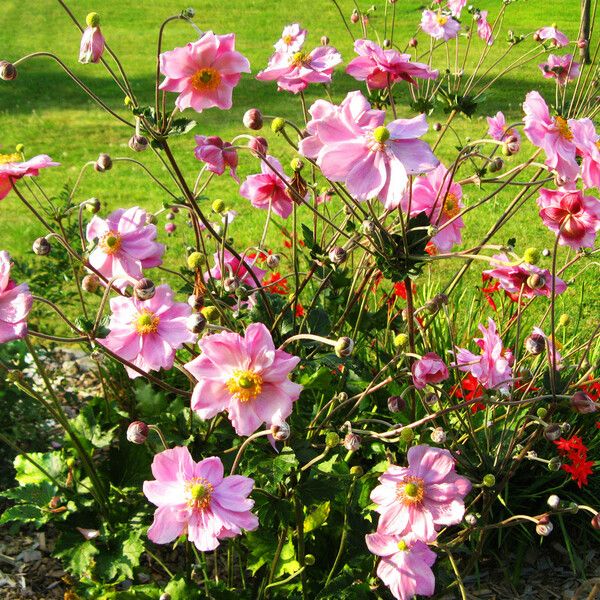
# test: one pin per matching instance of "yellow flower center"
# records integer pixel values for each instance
(402, 546)
(451, 207)
(147, 322)
(10, 158)
(441, 19)
(245, 385)
(299, 59)
(598, 144)
(110, 242)
(287, 39)
(199, 492)
(206, 79)
(563, 128)
(410, 491)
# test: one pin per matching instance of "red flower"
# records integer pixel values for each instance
(299, 310)
(575, 450)
(261, 256)
(592, 389)
(470, 390)
(400, 289)
(431, 249)
(276, 284)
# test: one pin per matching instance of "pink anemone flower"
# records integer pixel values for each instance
(574, 218)
(292, 39)
(245, 376)
(517, 278)
(147, 333)
(13, 167)
(493, 367)
(561, 68)
(204, 72)
(15, 303)
(587, 142)
(422, 497)
(484, 29)
(440, 199)
(429, 370)
(498, 130)
(92, 46)
(405, 564)
(553, 35)
(227, 265)
(380, 68)
(217, 155)
(373, 160)
(439, 26)
(552, 134)
(195, 499)
(126, 245)
(294, 72)
(267, 188)
(456, 6)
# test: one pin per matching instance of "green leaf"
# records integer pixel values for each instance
(38, 494)
(283, 464)
(90, 430)
(23, 513)
(28, 473)
(318, 322)
(179, 589)
(317, 517)
(181, 126)
(150, 402)
(263, 545)
(77, 556)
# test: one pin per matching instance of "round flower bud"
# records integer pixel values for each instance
(258, 145)
(565, 427)
(93, 205)
(489, 480)
(280, 431)
(381, 134)
(511, 145)
(170, 216)
(564, 320)
(413, 42)
(544, 529)
(541, 412)
(230, 284)
(151, 219)
(438, 436)
(357, 471)
(196, 322)
(194, 260)
(297, 164)
(535, 344)
(196, 302)
(552, 432)
(253, 119)
(166, 595)
(332, 439)
(553, 501)
(138, 143)
(273, 261)
(471, 519)
(41, 246)
(496, 165)
(407, 435)
(309, 560)
(531, 256)
(137, 432)
(595, 522)
(8, 71)
(352, 442)
(536, 281)
(211, 313)
(437, 126)
(554, 464)
(367, 227)
(582, 403)
(170, 227)
(144, 289)
(103, 163)
(90, 283)
(93, 19)
(431, 399)
(324, 40)
(344, 347)
(337, 255)
(277, 125)
(218, 206)
(400, 341)
(395, 404)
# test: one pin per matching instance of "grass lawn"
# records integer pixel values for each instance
(43, 110)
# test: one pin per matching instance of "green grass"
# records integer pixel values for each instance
(43, 110)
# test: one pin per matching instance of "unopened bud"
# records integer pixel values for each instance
(357, 471)
(273, 261)
(511, 145)
(344, 347)
(280, 431)
(395, 404)
(151, 219)
(93, 205)
(496, 165)
(471, 519)
(211, 313)
(413, 42)
(554, 464)
(258, 145)
(535, 344)
(90, 283)
(103, 163)
(354, 18)
(137, 432)
(387, 43)
(582, 44)
(196, 322)
(170, 216)
(337, 255)
(231, 284)
(195, 260)
(144, 289)
(553, 501)
(196, 302)
(552, 432)
(564, 320)
(277, 125)
(253, 119)
(324, 40)
(536, 281)
(407, 435)
(352, 442)
(138, 143)
(41, 246)
(438, 436)
(332, 439)
(8, 71)
(297, 164)
(582, 403)
(595, 522)
(544, 529)
(489, 480)
(437, 126)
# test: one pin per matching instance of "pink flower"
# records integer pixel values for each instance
(587, 142)
(380, 68)
(405, 565)
(293, 72)
(456, 7)
(575, 218)
(147, 333)
(498, 130)
(439, 26)
(92, 46)
(13, 167)
(245, 376)
(204, 72)
(514, 278)
(373, 160)
(193, 498)
(422, 497)
(15, 303)
(428, 370)
(551, 34)
(217, 155)
(493, 367)
(440, 199)
(484, 29)
(268, 188)
(292, 39)
(234, 268)
(552, 134)
(561, 68)
(126, 245)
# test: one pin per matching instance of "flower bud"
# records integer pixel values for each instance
(309, 560)
(273, 261)
(218, 206)
(332, 439)
(344, 347)
(277, 125)
(542, 412)
(194, 260)
(552, 432)
(354, 18)
(211, 313)
(253, 119)
(554, 464)
(41, 246)
(357, 471)
(196, 322)
(258, 145)
(407, 435)
(595, 522)
(536, 281)
(137, 432)
(352, 442)
(395, 404)
(413, 42)
(531, 256)
(367, 227)
(431, 399)
(437, 126)
(438, 436)
(582, 403)
(8, 71)
(337, 255)
(400, 341)
(489, 480)
(553, 501)
(511, 145)
(103, 163)
(324, 40)
(90, 283)
(151, 219)
(280, 431)
(297, 164)
(196, 302)
(144, 289)
(170, 227)
(170, 216)
(138, 143)
(231, 284)
(93, 205)
(471, 519)
(496, 165)
(544, 529)
(535, 344)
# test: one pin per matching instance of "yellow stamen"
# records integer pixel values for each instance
(147, 322)
(402, 546)
(287, 40)
(441, 19)
(411, 490)
(206, 79)
(563, 128)
(110, 242)
(10, 158)
(245, 385)
(451, 207)
(299, 59)
(199, 492)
